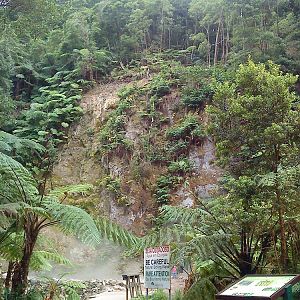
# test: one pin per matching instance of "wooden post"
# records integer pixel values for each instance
(125, 277)
(147, 293)
(170, 296)
(288, 295)
(133, 286)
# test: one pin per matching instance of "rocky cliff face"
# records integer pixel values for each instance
(80, 162)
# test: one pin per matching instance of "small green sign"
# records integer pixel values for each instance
(259, 287)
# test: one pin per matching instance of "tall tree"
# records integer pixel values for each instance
(255, 126)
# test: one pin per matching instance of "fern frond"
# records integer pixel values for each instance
(203, 246)
(16, 182)
(40, 260)
(9, 208)
(82, 189)
(9, 142)
(72, 220)
(182, 214)
(71, 288)
(116, 233)
(11, 248)
(5, 147)
(37, 210)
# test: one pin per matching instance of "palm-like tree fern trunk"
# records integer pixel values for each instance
(21, 270)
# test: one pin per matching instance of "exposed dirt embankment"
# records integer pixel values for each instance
(79, 163)
(76, 161)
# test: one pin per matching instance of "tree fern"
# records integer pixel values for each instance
(11, 250)
(183, 214)
(72, 219)
(82, 189)
(19, 148)
(116, 233)
(16, 182)
(41, 259)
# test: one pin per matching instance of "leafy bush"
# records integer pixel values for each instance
(58, 289)
(111, 184)
(176, 149)
(189, 129)
(159, 87)
(126, 91)
(180, 167)
(112, 134)
(164, 185)
(181, 136)
(195, 98)
(52, 110)
(114, 186)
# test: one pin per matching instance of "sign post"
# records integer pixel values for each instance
(288, 293)
(157, 273)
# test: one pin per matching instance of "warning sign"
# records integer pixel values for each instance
(157, 268)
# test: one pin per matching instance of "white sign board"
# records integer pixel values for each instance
(253, 286)
(157, 268)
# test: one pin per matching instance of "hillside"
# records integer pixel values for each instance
(126, 183)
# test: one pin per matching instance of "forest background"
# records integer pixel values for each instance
(52, 52)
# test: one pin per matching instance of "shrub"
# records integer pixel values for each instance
(180, 167)
(195, 98)
(113, 185)
(189, 129)
(159, 87)
(164, 185)
(112, 134)
(52, 111)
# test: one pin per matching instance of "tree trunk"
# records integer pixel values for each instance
(217, 43)
(21, 270)
(227, 43)
(162, 29)
(9, 274)
(209, 47)
(283, 241)
(223, 43)
(281, 211)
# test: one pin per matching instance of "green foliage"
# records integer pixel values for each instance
(186, 133)
(180, 167)
(260, 151)
(52, 51)
(31, 294)
(189, 129)
(113, 185)
(195, 98)
(163, 188)
(73, 220)
(18, 148)
(112, 134)
(49, 287)
(52, 111)
(35, 211)
(159, 87)
(157, 295)
(117, 234)
(66, 289)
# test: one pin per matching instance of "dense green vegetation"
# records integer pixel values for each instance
(223, 71)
